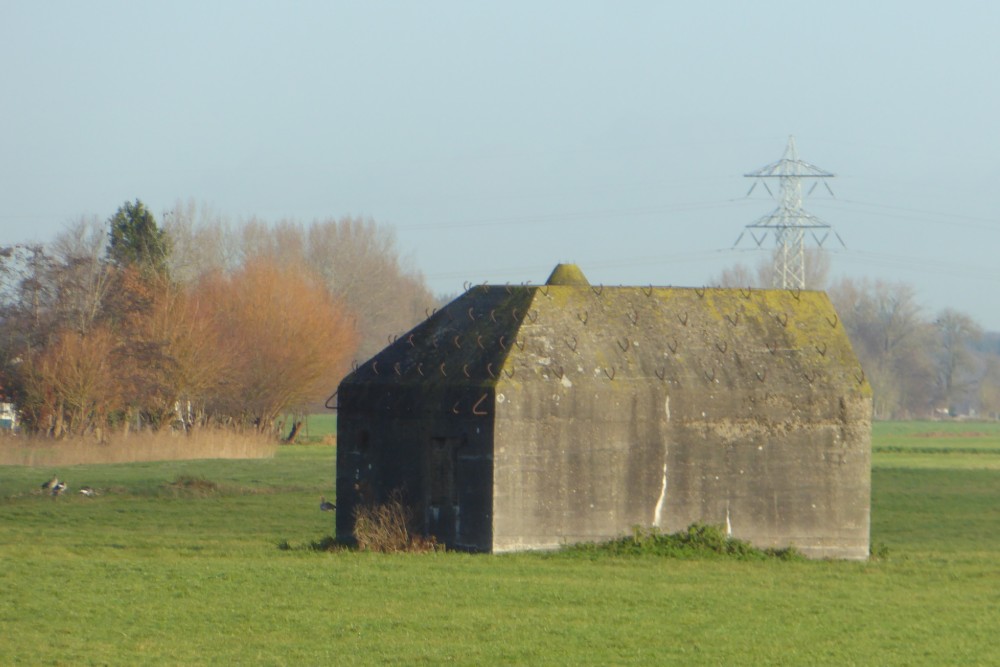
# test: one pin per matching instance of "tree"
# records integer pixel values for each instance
(136, 240)
(954, 357)
(286, 341)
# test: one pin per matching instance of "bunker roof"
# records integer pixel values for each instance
(570, 331)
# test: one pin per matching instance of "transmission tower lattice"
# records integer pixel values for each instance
(789, 222)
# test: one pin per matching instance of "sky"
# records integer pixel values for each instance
(499, 139)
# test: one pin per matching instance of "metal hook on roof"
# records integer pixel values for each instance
(533, 318)
(560, 372)
(722, 348)
(513, 313)
(326, 403)
(683, 320)
(710, 378)
(485, 287)
(611, 375)
(782, 319)
(796, 293)
(454, 408)
(700, 292)
(572, 345)
(420, 368)
(500, 341)
(509, 289)
(475, 408)
(586, 316)
(761, 376)
(489, 369)
(821, 350)
(772, 347)
(810, 380)
(544, 289)
(375, 367)
(465, 370)
(672, 346)
(409, 339)
(633, 317)
(624, 348)
(472, 315)
(466, 285)
(734, 321)
(598, 290)
(661, 373)
(395, 367)
(509, 373)
(747, 293)
(441, 368)
(479, 342)
(833, 322)
(354, 365)
(493, 315)
(456, 341)
(520, 344)
(860, 378)
(648, 292)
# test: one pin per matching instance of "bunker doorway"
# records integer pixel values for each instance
(441, 511)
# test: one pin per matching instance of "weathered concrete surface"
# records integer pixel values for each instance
(529, 417)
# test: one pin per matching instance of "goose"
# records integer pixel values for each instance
(325, 505)
(87, 491)
(58, 488)
(51, 483)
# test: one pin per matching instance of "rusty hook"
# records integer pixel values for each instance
(782, 319)
(683, 320)
(532, 319)
(821, 350)
(710, 378)
(501, 340)
(420, 368)
(456, 341)
(560, 373)
(860, 378)
(573, 345)
(479, 342)
(672, 346)
(509, 289)
(493, 315)
(586, 316)
(648, 292)
(375, 367)
(465, 370)
(796, 293)
(633, 317)
(489, 369)
(466, 285)
(700, 292)
(430, 312)
(772, 347)
(485, 287)
(598, 290)
(761, 376)
(472, 315)
(747, 293)
(443, 371)
(722, 348)
(733, 320)
(409, 339)
(395, 367)
(454, 408)
(661, 373)
(833, 322)
(509, 373)
(391, 338)
(544, 289)
(611, 375)
(326, 403)
(624, 348)
(475, 408)
(520, 344)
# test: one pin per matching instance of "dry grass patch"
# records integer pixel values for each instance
(205, 443)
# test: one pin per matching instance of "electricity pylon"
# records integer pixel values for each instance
(789, 222)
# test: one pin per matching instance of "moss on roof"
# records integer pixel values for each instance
(567, 274)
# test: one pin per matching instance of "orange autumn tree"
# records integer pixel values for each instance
(284, 340)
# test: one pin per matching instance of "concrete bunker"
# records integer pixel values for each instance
(527, 417)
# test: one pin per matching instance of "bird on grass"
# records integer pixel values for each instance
(58, 488)
(87, 491)
(326, 505)
(51, 483)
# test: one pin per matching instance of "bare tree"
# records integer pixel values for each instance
(955, 360)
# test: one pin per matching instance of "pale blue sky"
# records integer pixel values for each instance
(499, 139)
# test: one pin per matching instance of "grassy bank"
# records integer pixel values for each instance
(208, 561)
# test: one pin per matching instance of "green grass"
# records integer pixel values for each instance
(154, 571)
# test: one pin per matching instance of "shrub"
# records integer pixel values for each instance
(699, 540)
(385, 528)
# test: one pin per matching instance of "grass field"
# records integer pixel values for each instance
(210, 562)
